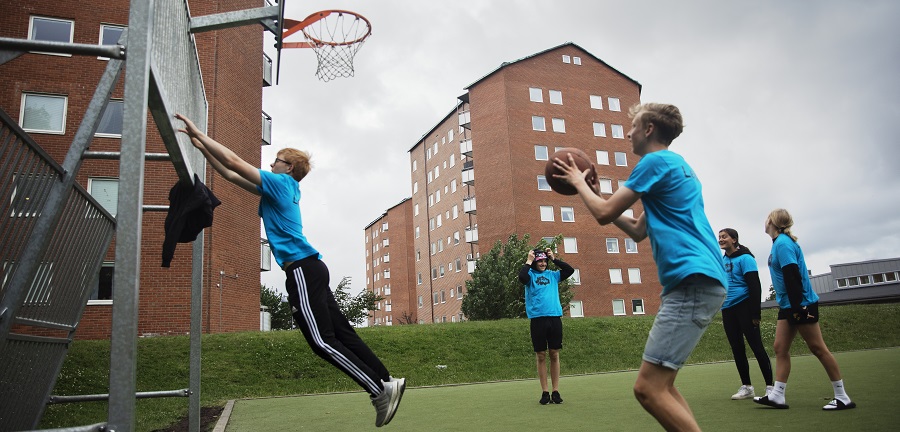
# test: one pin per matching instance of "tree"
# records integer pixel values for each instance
(277, 306)
(771, 295)
(357, 308)
(494, 292)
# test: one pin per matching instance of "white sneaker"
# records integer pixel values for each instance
(745, 392)
(386, 402)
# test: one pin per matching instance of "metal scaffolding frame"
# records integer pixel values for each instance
(162, 75)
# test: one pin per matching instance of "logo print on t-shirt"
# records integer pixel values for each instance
(542, 280)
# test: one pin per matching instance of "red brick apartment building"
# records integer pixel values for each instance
(478, 176)
(232, 62)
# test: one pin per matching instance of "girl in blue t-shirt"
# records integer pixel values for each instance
(798, 313)
(741, 311)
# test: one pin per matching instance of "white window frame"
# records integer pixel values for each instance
(555, 97)
(621, 304)
(95, 188)
(542, 183)
(546, 213)
(103, 118)
(567, 214)
(605, 185)
(617, 131)
(634, 275)
(65, 110)
(103, 27)
(576, 277)
(613, 104)
(600, 129)
(630, 245)
(596, 102)
(638, 309)
(559, 125)
(621, 159)
(570, 245)
(538, 155)
(538, 123)
(615, 276)
(566, 59)
(535, 94)
(602, 157)
(31, 29)
(98, 302)
(612, 245)
(576, 60)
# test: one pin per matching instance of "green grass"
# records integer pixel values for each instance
(246, 365)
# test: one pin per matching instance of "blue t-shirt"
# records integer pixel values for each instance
(681, 238)
(736, 268)
(542, 294)
(279, 208)
(785, 251)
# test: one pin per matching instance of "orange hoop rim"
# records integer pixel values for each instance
(318, 16)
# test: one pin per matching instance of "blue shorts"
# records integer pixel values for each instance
(684, 315)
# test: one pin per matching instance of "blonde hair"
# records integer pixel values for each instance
(781, 219)
(299, 160)
(665, 118)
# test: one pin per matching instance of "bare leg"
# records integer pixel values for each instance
(655, 390)
(554, 369)
(542, 368)
(812, 335)
(784, 337)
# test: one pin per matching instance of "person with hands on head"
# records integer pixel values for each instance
(542, 305)
(313, 306)
(741, 311)
(684, 248)
(798, 312)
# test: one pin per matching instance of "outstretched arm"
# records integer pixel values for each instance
(605, 211)
(223, 160)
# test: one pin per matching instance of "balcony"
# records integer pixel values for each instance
(465, 119)
(465, 147)
(470, 266)
(267, 71)
(469, 205)
(468, 173)
(472, 234)
(385, 243)
(266, 129)
(265, 255)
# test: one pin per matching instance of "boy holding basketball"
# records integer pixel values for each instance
(684, 248)
(325, 327)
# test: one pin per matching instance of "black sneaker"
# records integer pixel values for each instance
(545, 398)
(555, 398)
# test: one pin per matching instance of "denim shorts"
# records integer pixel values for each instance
(684, 315)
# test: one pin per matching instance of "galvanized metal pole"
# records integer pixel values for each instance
(123, 347)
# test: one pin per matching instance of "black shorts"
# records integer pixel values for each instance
(812, 315)
(546, 332)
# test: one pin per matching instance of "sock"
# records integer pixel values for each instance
(839, 392)
(777, 394)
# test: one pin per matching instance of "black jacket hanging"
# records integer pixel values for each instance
(190, 210)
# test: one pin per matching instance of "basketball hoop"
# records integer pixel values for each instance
(335, 36)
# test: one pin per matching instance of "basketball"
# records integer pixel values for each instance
(581, 160)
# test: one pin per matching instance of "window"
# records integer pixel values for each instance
(602, 157)
(419, 300)
(419, 279)
(418, 255)
(617, 131)
(556, 97)
(416, 210)
(535, 94)
(576, 309)
(605, 185)
(414, 165)
(570, 245)
(621, 159)
(566, 59)
(599, 129)
(537, 123)
(615, 276)
(442, 270)
(456, 238)
(51, 30)
(613, 104)
(630, 245)
(542, 183)
(106, 192)
(634, 275)
(417, 232)
(436, 298)
(596, 102)
(618, 307)
(637, 306)
(540, 152)
(459, 295)
(415, 187)
(567, 214)
(43, 113)
(109, 35)
(102, 293)
(458, 265)
(629, 213)
(576, 277)
(434, 273)
(546, 213)
(111, 120)
(444, 299)
(559, 125)
(576, 60)
(612, 245)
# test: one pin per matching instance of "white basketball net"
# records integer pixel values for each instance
(335, 39)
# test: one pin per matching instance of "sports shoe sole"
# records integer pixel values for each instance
(391, 413)
(839, 406)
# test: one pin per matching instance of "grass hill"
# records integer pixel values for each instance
(244, 365)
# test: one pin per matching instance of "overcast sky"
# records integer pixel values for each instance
(786, 103)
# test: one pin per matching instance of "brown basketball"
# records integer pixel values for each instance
(581, 160)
